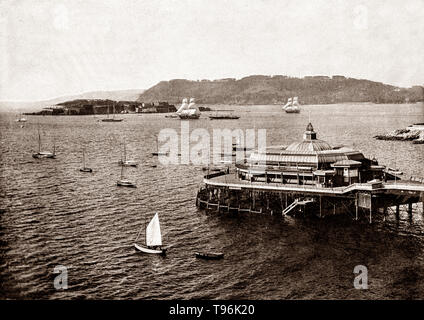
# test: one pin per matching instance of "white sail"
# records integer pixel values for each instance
(184, 106)
(193, 109)
(153, 235)
(289, 103)
(191, 104)
(295, 102)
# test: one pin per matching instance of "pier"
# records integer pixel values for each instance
(224, 192)
(311, 178)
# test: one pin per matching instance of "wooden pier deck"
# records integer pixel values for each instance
(226, 192)
(390, 187)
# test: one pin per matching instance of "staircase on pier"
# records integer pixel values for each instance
(295, 203)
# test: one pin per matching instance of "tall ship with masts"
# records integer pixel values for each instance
(188, 111)
(292, 105)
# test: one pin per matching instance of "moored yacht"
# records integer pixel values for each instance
(125, 162)
(122, 182)
(43, 154)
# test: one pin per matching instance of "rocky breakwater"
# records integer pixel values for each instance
(414, 133)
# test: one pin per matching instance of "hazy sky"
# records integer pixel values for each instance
(51, 48)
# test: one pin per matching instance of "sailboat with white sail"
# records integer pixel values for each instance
(44, 154)
(84, 168)
(153, 238)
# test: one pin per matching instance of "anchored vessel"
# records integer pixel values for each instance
(309, 177)
(188, 111)
(209, 255)
(124, 161)
(44, 154)
(292, 106)
(113, 116)
(223, 116)
(84, 168)
(122, 182)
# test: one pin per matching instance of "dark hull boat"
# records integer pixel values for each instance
(86, 170)
(209, 255)
(292, 110)
(112, 120)
(189, 116)
(160, 153)
(224, 117)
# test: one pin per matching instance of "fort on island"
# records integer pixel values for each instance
(310, 177)
(81, 107)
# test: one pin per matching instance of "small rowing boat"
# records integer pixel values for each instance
(209, 255)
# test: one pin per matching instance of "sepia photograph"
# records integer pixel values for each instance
(211, 155)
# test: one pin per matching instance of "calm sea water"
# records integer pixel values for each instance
(52, 214)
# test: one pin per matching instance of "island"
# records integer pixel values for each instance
(105, 106)
(414, 133)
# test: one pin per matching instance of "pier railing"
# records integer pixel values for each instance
(231, 182)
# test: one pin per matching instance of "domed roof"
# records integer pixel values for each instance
(310, 142)
(309, 145)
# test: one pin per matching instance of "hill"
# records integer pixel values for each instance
(259, 89)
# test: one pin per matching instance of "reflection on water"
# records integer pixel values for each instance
(53, 214)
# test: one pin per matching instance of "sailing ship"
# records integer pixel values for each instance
(292, 106)
(21, 119)
(153, 238)
(113, 116)
(44, 154)
(124, 182)
(190, 111)
(125, 162)
(84, 168)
